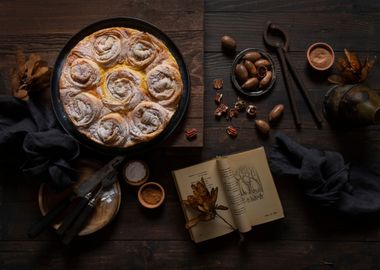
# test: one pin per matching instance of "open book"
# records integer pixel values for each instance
(245, 186)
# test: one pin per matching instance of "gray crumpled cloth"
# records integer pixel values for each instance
(326, 178)
(31, 140)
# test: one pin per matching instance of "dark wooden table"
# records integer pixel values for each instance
(308, 238)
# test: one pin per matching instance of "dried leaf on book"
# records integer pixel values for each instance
(203, 201)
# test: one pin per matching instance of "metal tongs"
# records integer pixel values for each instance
(86, 194)
(281, 44)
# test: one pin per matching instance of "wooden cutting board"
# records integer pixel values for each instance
(46, 34)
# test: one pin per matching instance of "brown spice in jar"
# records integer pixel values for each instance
(320, 57)
(151, 194)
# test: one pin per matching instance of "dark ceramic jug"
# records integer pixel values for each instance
(352, 105)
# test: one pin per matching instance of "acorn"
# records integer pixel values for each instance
(228, 44)
(276, 112)
(241, 73)
(252, 56)
(262, 126)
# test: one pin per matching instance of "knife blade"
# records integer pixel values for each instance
(82, 189)
(79, 191)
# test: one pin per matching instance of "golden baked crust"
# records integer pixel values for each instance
(120, 86)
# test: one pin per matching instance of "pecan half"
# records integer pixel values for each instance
(217, 84)
(240, 105)
(232, 131)
(218, 98)
(220, 110)
(191, 133)
(233, 112)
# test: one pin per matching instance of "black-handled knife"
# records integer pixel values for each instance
(41, 225)
(83, 217)
(79, 191)
(72, 215)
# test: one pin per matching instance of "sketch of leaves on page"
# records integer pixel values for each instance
(248, 179)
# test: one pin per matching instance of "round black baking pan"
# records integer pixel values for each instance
(129, 23)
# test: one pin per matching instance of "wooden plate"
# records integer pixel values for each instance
(105, 211)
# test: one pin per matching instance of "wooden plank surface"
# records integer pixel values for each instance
(309, 237)
(44, 28)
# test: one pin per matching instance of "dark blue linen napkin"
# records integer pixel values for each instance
(326, 178)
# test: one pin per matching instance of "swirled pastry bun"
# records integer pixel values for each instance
(120, 86)
(81, 73)
(111, 129)
(83, 109)
(122, 89)
(165, 85)
(148, 120)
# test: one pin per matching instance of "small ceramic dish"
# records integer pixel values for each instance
(135, 172)
(320, 56)
(258, 91)
(151, 195)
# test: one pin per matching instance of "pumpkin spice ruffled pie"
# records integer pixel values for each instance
(120, 86)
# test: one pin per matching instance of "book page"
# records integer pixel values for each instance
(257, 188)
(209, 172)
(232, 189)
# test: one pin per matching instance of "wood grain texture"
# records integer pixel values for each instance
(276, 6)
(356, 31)
(180, 255)
(309, 237)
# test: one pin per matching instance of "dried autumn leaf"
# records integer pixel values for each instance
(349, 76)
(351, 69)
(28, 76)
(194, 221)
(20, 61)
(336, 79)
(204, 202)
(342, 64)
(353, 60)
(367, 66)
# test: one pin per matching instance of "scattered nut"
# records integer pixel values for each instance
(251, 68)
(217, 84)
(266, 80)
(251, 110)
(240, 105)
(262, 62)
(276, 112)
(218, 98)
(232, 131)
(241, 72)
(233, 112)
(252, 56)
(251, 84)
(228, 44)
(262, 127)
(261, 71)
(191, 133)
(220, 110)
